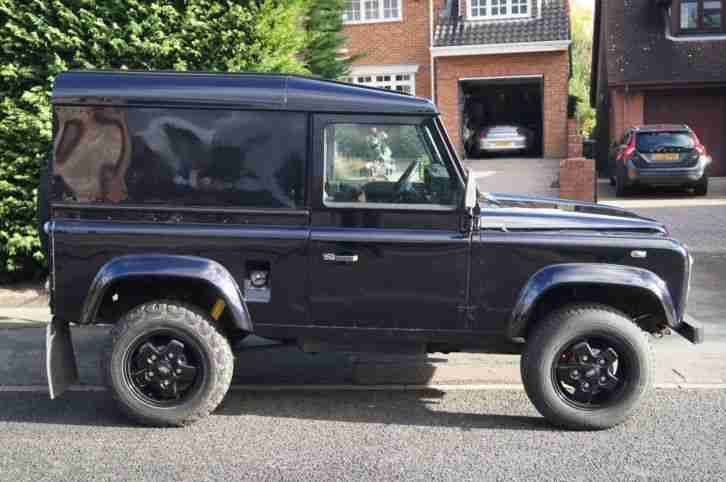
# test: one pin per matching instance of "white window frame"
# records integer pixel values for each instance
(385, 77)
(489, 16)
(381, 13)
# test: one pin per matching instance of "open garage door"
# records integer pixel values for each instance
(494, 109)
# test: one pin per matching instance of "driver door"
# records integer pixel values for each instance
(386, 247)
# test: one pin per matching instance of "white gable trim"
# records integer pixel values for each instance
(383, 69)
(504, 48)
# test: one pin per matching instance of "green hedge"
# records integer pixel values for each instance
(41, 38)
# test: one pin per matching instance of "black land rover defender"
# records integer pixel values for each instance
(190, 210)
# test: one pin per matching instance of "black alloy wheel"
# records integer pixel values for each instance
(590, 373)
(165, 368)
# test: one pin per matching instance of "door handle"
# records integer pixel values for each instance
(340, 258)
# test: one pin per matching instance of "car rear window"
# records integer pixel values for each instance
(664, 141)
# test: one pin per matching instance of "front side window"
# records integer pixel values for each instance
(701, 15)
(497, 9)
(395, 166)
(362, 11)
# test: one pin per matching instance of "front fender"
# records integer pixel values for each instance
(167, 266)
(592, 274)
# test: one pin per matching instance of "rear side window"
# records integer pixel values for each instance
(187, 157)
(664, 141)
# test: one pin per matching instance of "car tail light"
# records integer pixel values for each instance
(700, 148)
(629, 150)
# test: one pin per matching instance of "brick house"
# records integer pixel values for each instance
(660, 62)
(480, 61)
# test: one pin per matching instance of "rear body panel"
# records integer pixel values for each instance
(83, 247)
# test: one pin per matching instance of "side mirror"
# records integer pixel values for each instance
(471, 199)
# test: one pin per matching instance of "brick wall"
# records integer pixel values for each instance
(577, 179)
(554, 66)
(402, 42)
(626, 110)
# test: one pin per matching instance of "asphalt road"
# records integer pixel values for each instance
(461, 435)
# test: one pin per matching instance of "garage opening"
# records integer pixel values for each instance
(502, 117)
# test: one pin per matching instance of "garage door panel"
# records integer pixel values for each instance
(703, 111)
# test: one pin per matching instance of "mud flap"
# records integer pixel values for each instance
(60, 360)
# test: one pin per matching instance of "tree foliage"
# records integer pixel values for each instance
(44, 37)
(582, 30)
(326, 39)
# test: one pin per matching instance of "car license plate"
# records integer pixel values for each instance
(503, 143)
(667, 157)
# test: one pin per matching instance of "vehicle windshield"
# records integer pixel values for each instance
(664, 141)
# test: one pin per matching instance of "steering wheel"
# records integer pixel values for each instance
(403, 180)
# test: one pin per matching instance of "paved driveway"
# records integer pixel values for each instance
(700, 222)
(516, 175)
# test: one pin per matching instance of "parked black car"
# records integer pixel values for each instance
(660, 155)
(191, 210)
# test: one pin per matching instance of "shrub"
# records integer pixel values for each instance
(44, 37)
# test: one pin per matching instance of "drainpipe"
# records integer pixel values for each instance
(626, 105)
(432, 69)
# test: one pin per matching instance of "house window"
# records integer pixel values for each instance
(497, 9)
(701, 15)
(402, 82)
(363, 11)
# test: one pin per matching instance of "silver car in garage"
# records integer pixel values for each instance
(500, 139)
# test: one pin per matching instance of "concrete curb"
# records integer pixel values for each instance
(477, 387)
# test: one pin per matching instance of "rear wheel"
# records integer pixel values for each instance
(701, 188)
(587, 367)
(168, 365)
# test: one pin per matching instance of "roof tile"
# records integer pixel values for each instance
(550, 21)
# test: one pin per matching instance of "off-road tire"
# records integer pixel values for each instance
(555, 332)
(193, 323)
(701, 189)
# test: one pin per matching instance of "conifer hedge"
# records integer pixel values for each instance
(40, 38)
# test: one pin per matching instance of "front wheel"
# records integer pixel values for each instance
(168, 365)
(586, 367)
